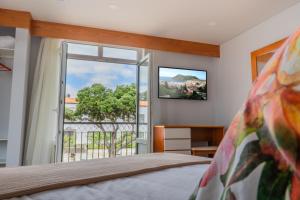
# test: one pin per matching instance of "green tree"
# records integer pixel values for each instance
(99, 103)
(70, 114)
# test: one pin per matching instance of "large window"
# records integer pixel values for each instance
(99, 94)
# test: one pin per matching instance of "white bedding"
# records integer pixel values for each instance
(174, 184)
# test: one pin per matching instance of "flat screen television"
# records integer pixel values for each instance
(179, 83)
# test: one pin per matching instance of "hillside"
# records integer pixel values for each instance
(183, 78)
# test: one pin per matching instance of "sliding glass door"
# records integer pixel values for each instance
(143, 105)
(105, 105)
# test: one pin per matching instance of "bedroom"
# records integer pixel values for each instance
(123, 43)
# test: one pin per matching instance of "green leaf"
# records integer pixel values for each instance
(193, 197)
(286, 139)
(223, 178)
(243, 134)
(273, 183)
(250, 158)
(228, 195)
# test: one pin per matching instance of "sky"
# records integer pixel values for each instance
(110, 52)
(170, 72)
(82, 73)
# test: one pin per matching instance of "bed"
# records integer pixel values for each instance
(152, 176)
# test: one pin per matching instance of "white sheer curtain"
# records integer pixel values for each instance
(43, 112)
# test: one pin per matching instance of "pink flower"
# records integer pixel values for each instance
(224, 154)
(209, 174)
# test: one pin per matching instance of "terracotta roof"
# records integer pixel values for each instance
(144, 103)
(71, 100)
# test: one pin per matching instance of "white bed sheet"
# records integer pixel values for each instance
(174, 184)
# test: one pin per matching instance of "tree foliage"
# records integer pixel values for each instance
(70, 114)
(98, 103)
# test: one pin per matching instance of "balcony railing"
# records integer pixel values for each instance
(90, 140)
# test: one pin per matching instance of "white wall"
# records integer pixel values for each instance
(172, 111)
(34, 50)
(234, 68)
(18, 98)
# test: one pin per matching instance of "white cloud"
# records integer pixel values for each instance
(119, 53)
(105, 80)
(83, 49)
(109, 74)
(171, 72)
(79, 67)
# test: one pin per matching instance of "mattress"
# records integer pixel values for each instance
(175, 184)
(27, 180)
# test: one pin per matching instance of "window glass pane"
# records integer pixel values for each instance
(90, 86)
(119, 53)
(82, 73)
(83, 49)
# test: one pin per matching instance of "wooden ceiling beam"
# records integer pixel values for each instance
(21, 19)
(73, 32)
(13, 18)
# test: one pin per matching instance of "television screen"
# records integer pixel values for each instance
(176, 83)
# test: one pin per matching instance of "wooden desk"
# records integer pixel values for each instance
(182, 138)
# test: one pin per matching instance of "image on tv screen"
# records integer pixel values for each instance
(176, 83)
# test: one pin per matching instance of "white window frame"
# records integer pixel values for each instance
(100, 58)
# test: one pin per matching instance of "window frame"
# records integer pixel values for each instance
(101, 58)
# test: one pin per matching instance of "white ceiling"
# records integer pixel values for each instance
(210, 21)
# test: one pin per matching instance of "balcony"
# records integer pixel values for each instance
(90, 140)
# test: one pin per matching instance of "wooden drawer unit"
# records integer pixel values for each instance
(182, 138)
(174, 140)
(177, 133)
(177, 144)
